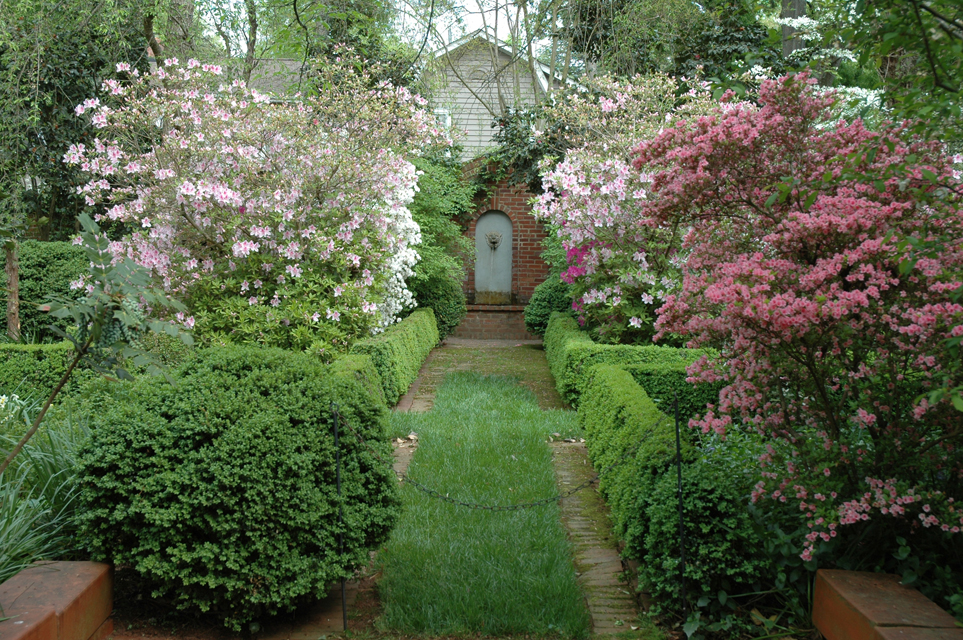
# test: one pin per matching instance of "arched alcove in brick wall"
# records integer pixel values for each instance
(493, 258)
(503, 318)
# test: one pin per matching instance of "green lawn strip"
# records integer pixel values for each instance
(452, 570)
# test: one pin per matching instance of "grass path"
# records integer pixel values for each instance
(452, 570)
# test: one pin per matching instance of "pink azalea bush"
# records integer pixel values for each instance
(284, 223)
(795, 268)
(619, 265)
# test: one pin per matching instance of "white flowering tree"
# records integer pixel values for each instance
(279, 223)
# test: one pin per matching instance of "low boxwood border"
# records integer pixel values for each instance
(399, 352)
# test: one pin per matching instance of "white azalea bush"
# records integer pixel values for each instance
(281, 223)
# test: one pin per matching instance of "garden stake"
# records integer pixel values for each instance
(337, 457)
(678, 461)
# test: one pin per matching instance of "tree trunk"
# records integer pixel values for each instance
(250, 58)
(13, 290)
(791, 42)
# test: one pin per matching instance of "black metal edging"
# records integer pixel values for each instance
(337, 456)
(678, 463)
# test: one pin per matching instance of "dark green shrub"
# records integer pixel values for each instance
(552, 295)
(662, 382)
(725, 557)
(46, 270)
(170, 351)
(444, 296)
(571, 352)
(39, 367)
(618, 418)
(399, 352)
(220, 490)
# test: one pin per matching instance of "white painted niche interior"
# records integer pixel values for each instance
(493, 258)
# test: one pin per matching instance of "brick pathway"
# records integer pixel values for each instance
(597, 562)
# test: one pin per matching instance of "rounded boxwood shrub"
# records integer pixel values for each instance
(551, 295)
(446, 298)
(220, 490)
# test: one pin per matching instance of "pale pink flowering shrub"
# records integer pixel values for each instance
(796, 235)
(219, 186)
(619, 266)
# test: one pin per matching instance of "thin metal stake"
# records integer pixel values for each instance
(337, 457)
(678, 461)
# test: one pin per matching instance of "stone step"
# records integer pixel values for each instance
(485, 322)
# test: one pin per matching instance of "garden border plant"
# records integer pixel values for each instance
(399, 352)
(571, 352)
(221, 491)
(108, 320)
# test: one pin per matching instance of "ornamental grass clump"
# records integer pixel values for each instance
(221, 490)
(800, 269)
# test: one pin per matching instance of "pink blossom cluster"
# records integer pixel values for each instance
(595, 198)
(212, 174)
(799, 268)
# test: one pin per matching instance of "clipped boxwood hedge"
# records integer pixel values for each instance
(723, 553)
(617, 416)
(662, 381)
(399, 352)
(46, 270)
(221, 490)
(37, 368)
(571, 353)
(444, 296)
(550, 296)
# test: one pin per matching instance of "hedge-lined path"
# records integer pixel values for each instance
(584, 514)
(523, 359)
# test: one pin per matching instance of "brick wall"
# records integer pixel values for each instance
(528, 269)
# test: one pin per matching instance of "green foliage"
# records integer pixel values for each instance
(109, 320)
(548, 297)
(362, 370)
(221, 490)
(166, 350)
(627, 37)
(918, 49)
(446, 297)
(52, 57)
(399, 352)
(724, 558)
(726, 42)
(38, 494)
(618, 418)
(663, 381)
(46, 271)
(37, 368)
(444, 199)
(571, 352)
